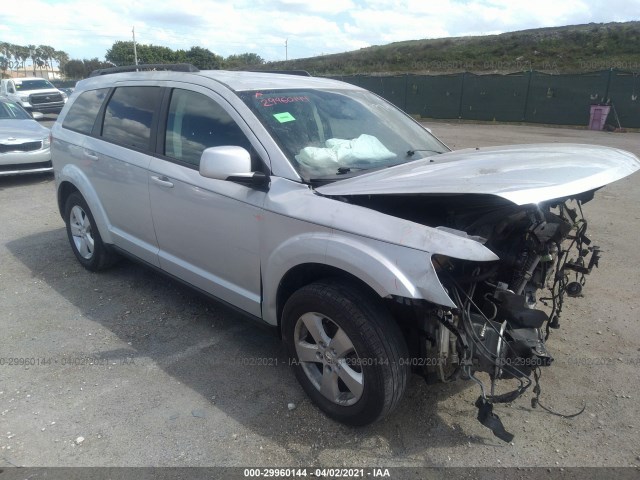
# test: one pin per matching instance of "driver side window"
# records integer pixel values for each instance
(196, 122)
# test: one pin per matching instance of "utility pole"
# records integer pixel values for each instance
(286, 49)
(135, 51)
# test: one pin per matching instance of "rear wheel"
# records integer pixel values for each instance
(84, 236)
(347, 351)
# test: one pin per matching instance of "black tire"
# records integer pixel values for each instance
(87, 244)
(376, 340)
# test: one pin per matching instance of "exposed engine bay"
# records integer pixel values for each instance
(505, 309)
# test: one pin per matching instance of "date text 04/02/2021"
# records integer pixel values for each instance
(317, 472)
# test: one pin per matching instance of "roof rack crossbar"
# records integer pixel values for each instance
(172, 67)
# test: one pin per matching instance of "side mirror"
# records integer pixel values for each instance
(233, 164)
(37, 115)
(221, 163)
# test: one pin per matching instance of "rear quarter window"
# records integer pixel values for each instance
(82, 114)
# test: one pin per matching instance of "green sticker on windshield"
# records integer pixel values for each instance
(284, 117)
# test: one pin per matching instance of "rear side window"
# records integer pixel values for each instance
(196, 122)
(82, 114)
(129, 115)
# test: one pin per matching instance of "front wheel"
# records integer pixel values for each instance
(346, 351)
(84, 236)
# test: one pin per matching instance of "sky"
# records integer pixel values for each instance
(86, 29)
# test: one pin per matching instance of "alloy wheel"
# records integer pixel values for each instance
(329, 359)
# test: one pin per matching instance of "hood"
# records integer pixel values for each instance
(522, 174)
(23, 129)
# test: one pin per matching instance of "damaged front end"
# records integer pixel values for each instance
(498, 326)
(524, 204)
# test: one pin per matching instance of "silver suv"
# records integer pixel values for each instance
(321, 209)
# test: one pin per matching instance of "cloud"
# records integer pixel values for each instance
(395, 20)
(171, 17)
(328, 7)
(262, 26)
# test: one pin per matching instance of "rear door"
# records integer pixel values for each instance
(208, 231)
(117, 156)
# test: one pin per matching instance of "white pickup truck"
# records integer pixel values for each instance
(34, 94)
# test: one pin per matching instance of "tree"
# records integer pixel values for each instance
(120, 53)
(62, 58)
(155, 54)
(11, 54)
(79, 69)
(47, 53)
(5, 57)
(74, 69)
(34, 55)
(40, 60)
(95, 64)
(203, 58)
(243, 60)
(4, 65)
(181, 56)
(14, 57)
(22, 54)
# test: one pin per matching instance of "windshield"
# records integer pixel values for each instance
(327, 134)
(10, 110)
(33, 85)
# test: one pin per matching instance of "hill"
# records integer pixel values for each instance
(572, 48)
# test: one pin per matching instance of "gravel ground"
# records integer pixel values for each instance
(137, 370)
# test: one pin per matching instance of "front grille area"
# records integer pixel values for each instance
(42, 98)
(25, 168)
(20, 147)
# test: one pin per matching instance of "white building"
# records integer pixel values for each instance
(50, 73)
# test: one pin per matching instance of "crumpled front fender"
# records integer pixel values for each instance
(391, 255)
(390, 270)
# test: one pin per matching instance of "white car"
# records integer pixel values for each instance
(24, 143)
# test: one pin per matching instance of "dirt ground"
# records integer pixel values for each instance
(149, 373)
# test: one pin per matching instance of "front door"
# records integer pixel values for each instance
(208, 231)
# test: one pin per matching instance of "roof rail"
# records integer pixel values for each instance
(301, 73)
(171, 67)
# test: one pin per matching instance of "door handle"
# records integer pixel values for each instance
(162, 181)
(90, 155)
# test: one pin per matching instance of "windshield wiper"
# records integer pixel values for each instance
(411, 153)
(343, 170)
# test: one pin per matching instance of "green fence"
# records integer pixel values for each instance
(522, 97)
